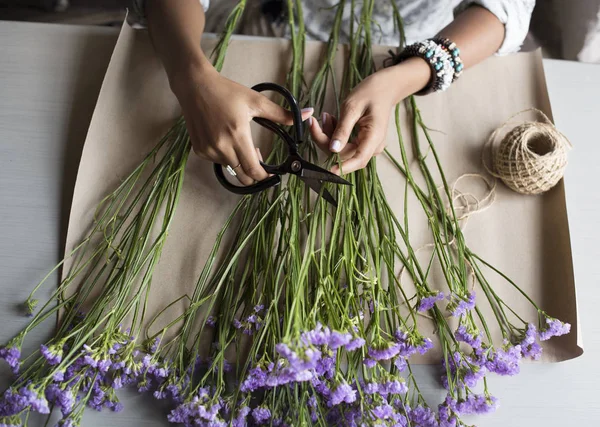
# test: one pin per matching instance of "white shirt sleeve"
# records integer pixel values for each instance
(137, 17)
(514, 14)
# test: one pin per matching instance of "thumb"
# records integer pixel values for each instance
(269, 110)
(348, 118)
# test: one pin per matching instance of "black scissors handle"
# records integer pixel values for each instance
(292, 143)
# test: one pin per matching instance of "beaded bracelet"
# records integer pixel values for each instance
(454, 51)
(439, 60)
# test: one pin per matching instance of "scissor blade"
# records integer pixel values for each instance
(317, 187)
(312, 171)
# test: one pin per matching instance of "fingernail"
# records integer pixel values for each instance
(336, 144)
(308, 110)
(324, 118)
(310, 121)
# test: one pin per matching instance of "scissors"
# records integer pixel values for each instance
(311, 174)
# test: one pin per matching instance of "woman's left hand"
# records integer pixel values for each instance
(368, 106)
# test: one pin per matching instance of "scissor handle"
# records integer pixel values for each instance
(276, 170)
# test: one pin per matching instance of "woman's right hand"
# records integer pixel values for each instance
(218, 112)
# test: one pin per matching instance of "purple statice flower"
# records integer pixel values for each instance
(211, 321)
(401, 363)
(255, 380)
(312, 404)
(383, 411)
(554, 328)
(59, 376)
(477, 404)
(261, 415)
(385, 351)
(355, 344)
(326, 367)
(36, 401)
(393, 386)
(259, 308)
(466, 370)
(422, 417)
(62, 398)
(237, 324)
(103, 365)
(308, 360)
(468, 336)
(11, 355)
(154, 345)
(460, 306)
(317, 336)
(505, 361)
(342, 393)
(240, 418)
(369, 363)
(52, 354)
(429, 301)
(529, 346)
(339, 339)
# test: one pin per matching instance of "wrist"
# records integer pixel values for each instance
(188, 70)
(410, 76)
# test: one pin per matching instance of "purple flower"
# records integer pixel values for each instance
(339, 339)
(505, 361)
(34, 400)
(355, 344)
(342, 393)
(422, 417)
(529, 347)
(477, 404)
(52, 354)
(237, 324)
(393, 387)
(255, 380)
(384, 352)
(326, 367)
(261, 415)
(240, 419)
(554, 328)
(369, 363)
(458, 306)
(383, 412)
(155, 345)
(62, 398)
(400, 363)
(11, 354)
(469, 337)
(211, 321)
(429, 301)
(258, 308)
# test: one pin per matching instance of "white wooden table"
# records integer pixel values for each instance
(50, 76)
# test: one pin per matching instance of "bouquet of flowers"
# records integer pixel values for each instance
(304, 319)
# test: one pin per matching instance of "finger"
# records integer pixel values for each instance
(318, 135)
(229, 157)
(380, 148)
(368, 141)
(350, 114)
(246, 153)
(329, 123)
(269, 110)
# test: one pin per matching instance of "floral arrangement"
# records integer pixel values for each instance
(304, 319)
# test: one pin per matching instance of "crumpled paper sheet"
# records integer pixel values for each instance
(526, 237)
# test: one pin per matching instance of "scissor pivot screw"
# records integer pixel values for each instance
(296, 166)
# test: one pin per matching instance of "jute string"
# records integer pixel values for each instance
(531, 158)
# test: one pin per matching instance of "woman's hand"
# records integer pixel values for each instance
(369, 107)
(218, 112)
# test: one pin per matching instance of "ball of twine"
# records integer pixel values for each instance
(531, 158)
